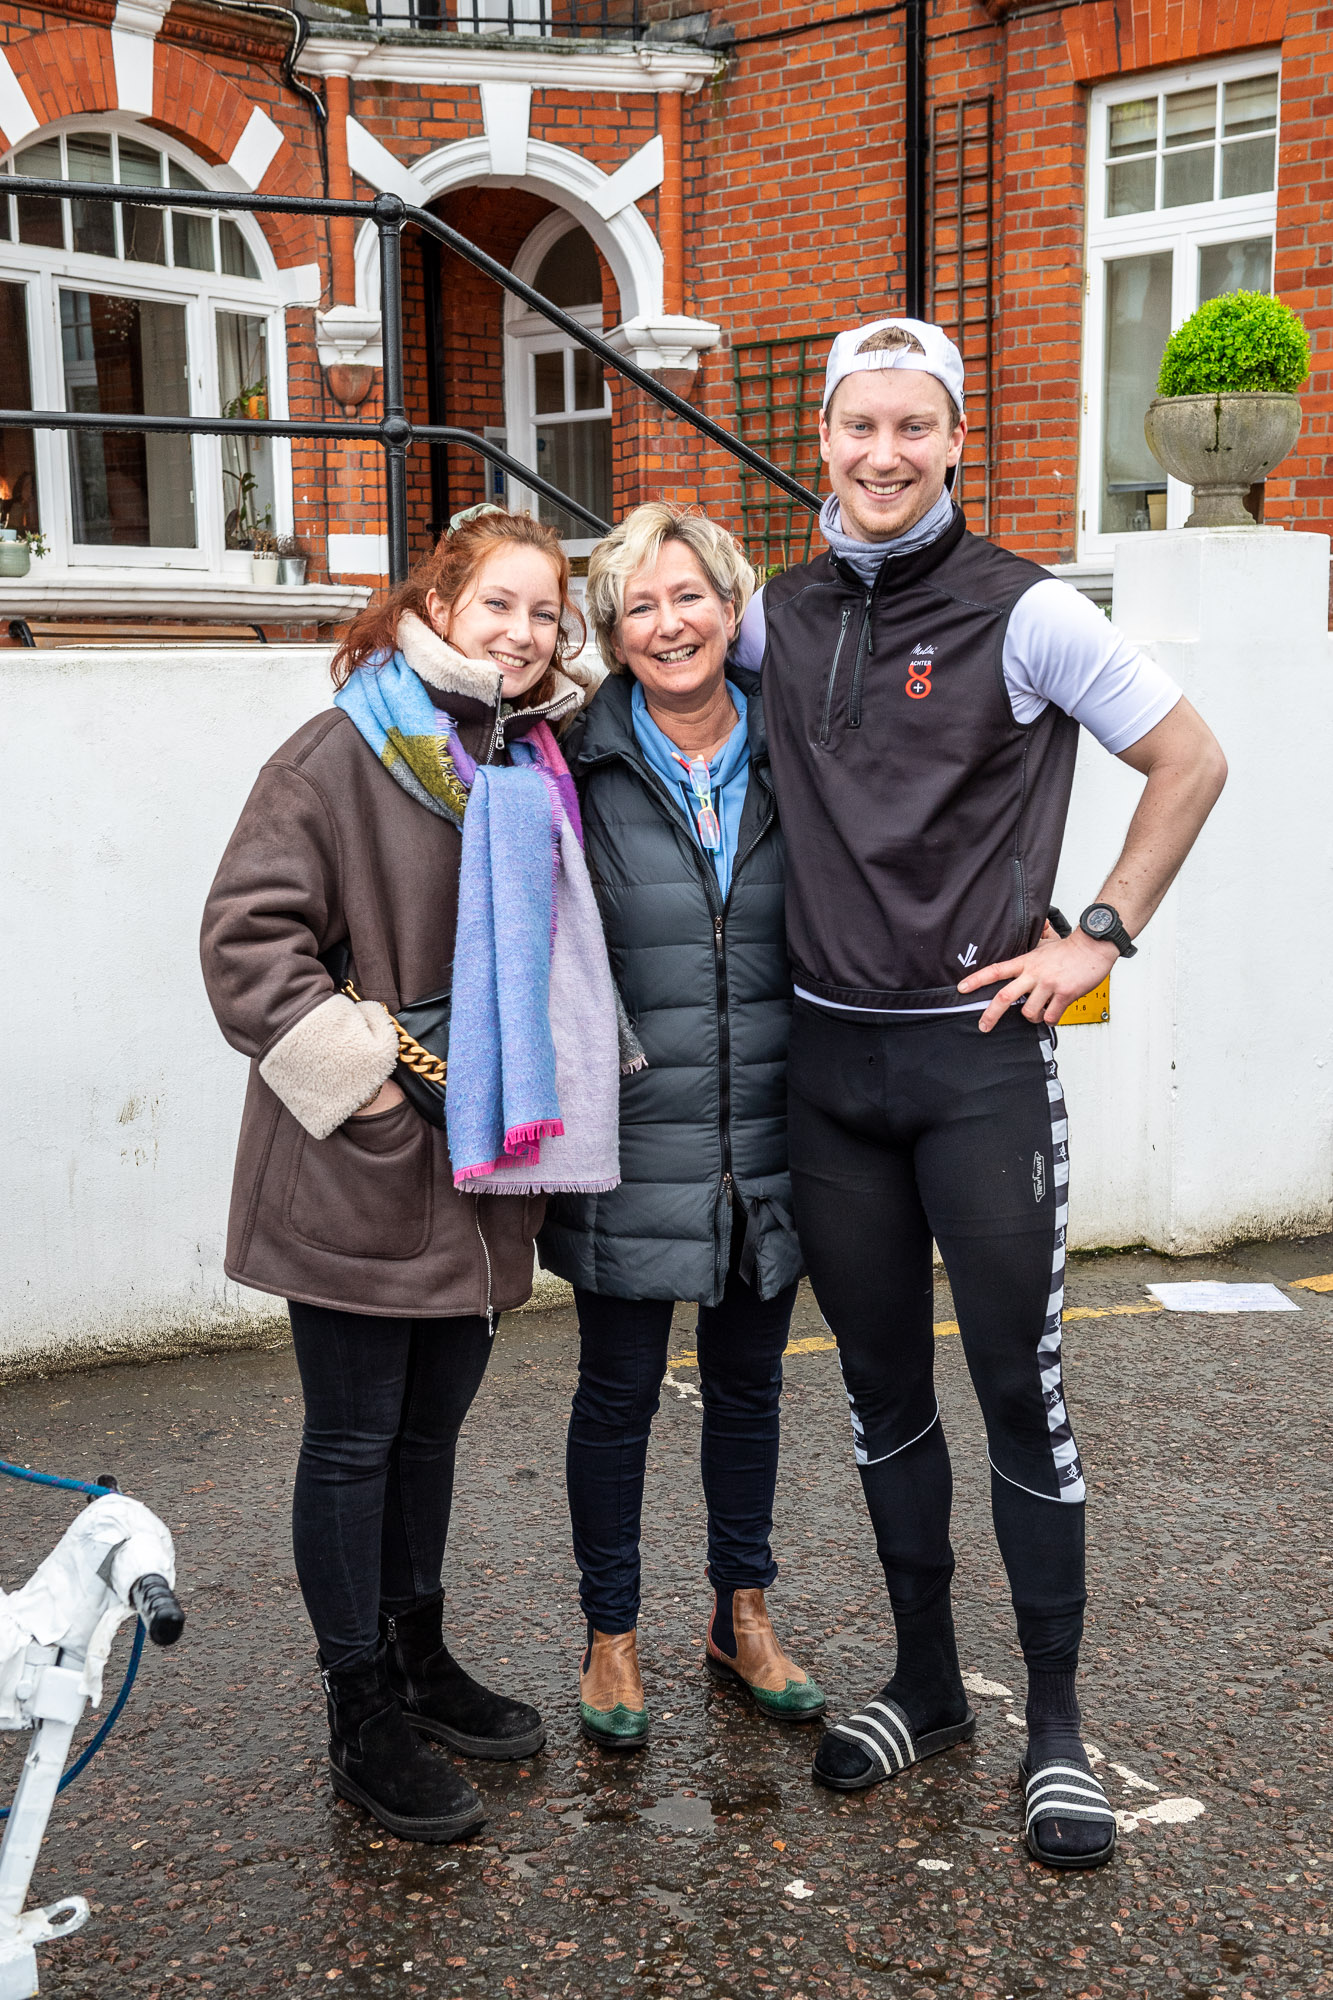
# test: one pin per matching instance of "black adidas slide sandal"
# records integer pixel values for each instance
(877, 1743)
(1064, 1791)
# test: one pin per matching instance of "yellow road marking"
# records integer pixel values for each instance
(1324, 1284)
(820, 1344)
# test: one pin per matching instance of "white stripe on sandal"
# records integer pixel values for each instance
(892, 1731)
(1064, 1791)
(845, 1729)
(898, 1730)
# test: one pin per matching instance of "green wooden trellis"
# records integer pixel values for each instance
(778, 386)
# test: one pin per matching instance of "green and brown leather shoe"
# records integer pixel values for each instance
(612, 1710)
(759, 1665)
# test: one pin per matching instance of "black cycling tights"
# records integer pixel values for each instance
(906, 1130)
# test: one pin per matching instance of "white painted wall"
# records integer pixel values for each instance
(1203, 1111)
(121, 779)
(123, 775)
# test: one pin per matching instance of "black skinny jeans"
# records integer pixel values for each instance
(385, 1400)
(622, 1359)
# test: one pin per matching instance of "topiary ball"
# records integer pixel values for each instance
(1243, 340)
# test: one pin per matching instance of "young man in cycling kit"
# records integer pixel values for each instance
(924, 692)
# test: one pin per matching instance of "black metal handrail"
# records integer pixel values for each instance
(100, 420)
(394, 431)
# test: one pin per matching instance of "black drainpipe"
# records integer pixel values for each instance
(916, 148)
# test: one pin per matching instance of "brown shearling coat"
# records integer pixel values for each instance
(360, 1214)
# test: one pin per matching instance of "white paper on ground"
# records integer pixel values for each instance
(1208, 1296)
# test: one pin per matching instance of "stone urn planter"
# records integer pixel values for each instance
(1221, 445)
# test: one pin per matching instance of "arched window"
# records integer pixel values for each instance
(153, 311)
(559, 405)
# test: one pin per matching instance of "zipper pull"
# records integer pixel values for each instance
(391, 1629)
(490, 1322)
(728, 1187)
(717, 933)
(870, 626)
(497, 736)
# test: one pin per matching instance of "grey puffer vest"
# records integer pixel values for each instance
(703, 1129)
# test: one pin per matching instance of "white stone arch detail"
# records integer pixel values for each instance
(625, 240)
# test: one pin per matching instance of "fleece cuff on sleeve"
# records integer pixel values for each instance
(332, 1062)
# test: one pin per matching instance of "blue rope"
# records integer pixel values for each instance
(136, 1650)
(53, 1479)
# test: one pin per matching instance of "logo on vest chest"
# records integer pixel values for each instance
(919, 669)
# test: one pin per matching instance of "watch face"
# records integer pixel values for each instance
(1099, 920)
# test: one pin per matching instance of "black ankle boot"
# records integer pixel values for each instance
(377, 1762)
(440, 1699)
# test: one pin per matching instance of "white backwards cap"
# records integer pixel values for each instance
(919, 345)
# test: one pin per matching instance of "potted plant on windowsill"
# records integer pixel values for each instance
(264, 557)
(292, 559)
(1226, 411)
(18, 546)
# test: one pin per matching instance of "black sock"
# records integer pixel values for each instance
(909, 1497)
(724, 1632)
(927, 1684)
(1042, 1545)
(1053, 1738)
(1053, 1718)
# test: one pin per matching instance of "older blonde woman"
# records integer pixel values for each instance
(686, 855)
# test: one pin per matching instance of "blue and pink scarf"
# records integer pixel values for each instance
(532, 1101)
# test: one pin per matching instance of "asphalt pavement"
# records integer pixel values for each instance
(217, 1861)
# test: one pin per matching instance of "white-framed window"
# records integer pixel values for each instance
(1181, 206)
(557, 400)
(152, 311)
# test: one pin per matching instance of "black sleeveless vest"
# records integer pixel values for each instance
(923, 823)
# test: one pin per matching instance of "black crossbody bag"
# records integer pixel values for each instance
(423, 1038)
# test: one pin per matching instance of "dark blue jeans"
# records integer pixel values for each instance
(385, 1400)
(622, 1359)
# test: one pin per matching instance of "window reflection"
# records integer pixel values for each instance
(1138, 321)
(40, 221)
(1217, 141)
(1246, 266)
(18, 465)
(123, 356)
(93, 222)
(247, 462)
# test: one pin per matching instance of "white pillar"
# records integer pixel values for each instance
(1202, 1113)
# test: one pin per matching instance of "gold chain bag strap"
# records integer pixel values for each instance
(423, 1040)
(418, 1058)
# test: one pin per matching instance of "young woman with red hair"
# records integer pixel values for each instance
(418, 841)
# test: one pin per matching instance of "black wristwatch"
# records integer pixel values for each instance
(1101, 922)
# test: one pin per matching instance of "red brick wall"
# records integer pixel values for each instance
(1299, 493)
(1040, 151)
(793, 216)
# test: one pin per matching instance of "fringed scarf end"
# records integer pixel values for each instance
(600, 1186)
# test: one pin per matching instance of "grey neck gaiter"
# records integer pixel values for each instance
(866, 557)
